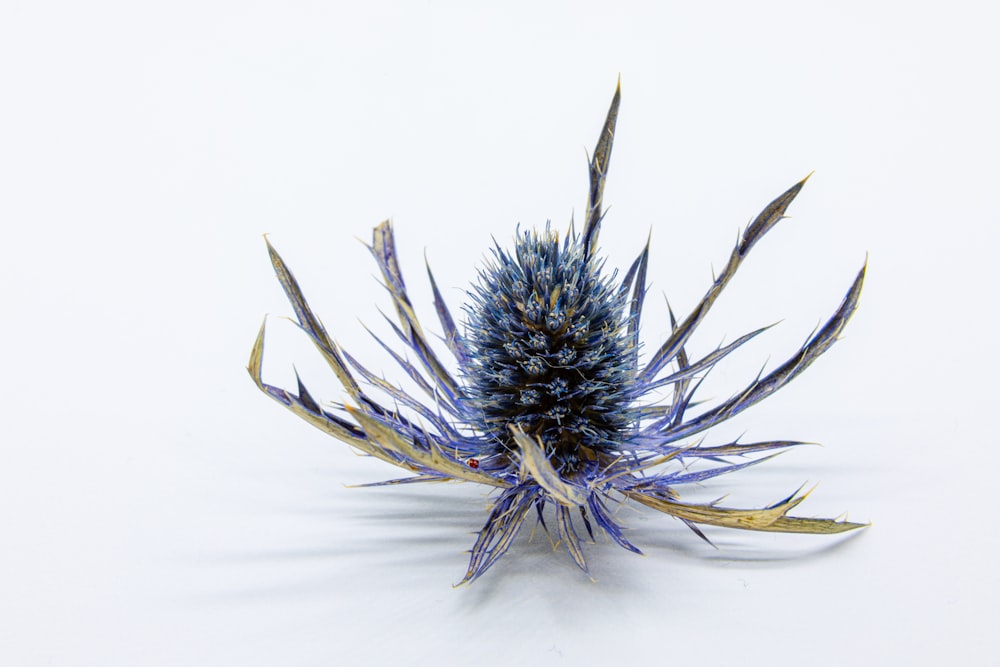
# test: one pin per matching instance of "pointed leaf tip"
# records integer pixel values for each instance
(598, 173)
(769, 217)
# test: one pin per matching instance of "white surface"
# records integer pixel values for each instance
(157, 510)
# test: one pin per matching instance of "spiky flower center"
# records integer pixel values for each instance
(547, 338)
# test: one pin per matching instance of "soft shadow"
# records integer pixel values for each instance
(401, 537)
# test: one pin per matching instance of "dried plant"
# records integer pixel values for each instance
(550, 404)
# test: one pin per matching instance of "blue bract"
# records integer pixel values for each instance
(550, 404)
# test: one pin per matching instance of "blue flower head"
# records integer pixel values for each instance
(549, 353)
(550, 405)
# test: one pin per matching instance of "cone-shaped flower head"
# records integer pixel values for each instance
(550, 352)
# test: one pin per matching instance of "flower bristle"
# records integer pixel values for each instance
(550, 405)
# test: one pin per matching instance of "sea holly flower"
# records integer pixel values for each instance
(552, 404)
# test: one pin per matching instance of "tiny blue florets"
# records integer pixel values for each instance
(550, 405)
(549, 348)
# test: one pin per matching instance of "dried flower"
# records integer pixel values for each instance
(550, 404)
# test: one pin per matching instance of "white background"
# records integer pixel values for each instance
(156, 509)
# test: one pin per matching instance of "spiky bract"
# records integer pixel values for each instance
(550, 405)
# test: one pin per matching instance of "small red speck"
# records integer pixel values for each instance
(473, 463)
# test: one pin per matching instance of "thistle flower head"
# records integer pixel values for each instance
(550, 405)
(549, 350)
